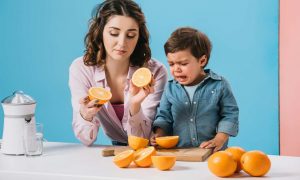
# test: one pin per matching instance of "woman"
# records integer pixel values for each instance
(116, 45)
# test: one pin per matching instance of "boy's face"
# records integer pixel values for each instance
(185, 68)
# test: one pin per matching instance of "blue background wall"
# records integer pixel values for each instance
(39, 40)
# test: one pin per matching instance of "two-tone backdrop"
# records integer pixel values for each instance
(40, 39)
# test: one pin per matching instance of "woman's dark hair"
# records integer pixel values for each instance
(95, 52)
(189, 38)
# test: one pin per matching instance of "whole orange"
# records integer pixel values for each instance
(237, 153)
(255, 163)
(222, 164)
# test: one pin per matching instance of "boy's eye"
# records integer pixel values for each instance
(184, 64)
(171, 65)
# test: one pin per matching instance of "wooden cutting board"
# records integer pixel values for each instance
(184, 154)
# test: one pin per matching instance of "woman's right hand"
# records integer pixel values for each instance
(89, 109)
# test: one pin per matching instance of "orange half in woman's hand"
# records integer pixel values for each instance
(100, 94)
(141, 77)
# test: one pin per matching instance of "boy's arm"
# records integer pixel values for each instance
(216, 143)
(228, 124)
(229, 112)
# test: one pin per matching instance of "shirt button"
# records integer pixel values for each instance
(212, 91)
(192, 120)
(186, 102)
(194, 102)
(194, 139)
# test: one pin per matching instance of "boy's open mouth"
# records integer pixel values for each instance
(181, 78)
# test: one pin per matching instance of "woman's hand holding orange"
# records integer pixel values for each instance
(138, 94)
(88, 109)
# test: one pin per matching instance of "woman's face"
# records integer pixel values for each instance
(120, 36)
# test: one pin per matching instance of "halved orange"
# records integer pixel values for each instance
(124, 158)
(99, 93)
(141, 77)
(136, 153)
(137, 142)
(143, 157)
(167, 141)
(163, 162)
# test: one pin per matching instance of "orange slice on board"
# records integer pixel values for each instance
(163, 162)
(124, 158)
(99, 93)
(167, 141)
(143, 157)
(141, 77)
(137, 142)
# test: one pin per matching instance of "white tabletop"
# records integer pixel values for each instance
(66, 161)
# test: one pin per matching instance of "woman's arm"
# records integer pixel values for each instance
(79, 83)
(140, 123)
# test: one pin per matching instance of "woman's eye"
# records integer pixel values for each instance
(130, 36)
(114, 34)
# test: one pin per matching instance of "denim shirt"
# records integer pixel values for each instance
(213, 109)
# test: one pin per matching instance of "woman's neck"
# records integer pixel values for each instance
(116, 68)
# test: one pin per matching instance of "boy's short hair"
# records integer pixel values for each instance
(189, 38)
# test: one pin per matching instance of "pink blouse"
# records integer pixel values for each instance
(82, 77)
(119, 110)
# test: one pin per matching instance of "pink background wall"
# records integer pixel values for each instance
(289, 48)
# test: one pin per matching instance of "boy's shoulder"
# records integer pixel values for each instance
(213, 75)
(217, 79)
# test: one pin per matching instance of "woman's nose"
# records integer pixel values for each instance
(122, 41)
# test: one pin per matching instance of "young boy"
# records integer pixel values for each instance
(197, 105)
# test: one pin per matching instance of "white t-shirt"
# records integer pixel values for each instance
(191, 90)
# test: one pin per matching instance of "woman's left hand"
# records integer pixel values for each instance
(139, 94)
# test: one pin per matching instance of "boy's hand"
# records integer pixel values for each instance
(158, 133)
(215, 143)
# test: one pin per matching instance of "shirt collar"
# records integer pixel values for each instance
(99, 73)
(212, 75)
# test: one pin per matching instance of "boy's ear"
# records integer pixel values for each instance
(203, 60)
